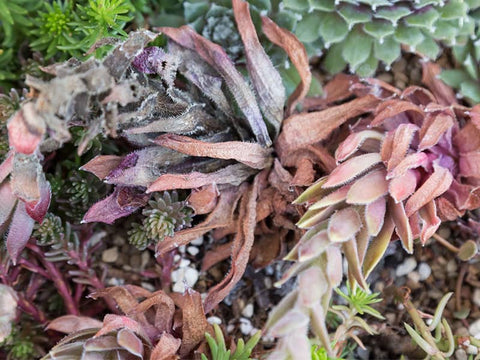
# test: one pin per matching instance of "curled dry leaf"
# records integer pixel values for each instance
(72, 323)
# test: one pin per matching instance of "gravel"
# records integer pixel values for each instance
(406, 267)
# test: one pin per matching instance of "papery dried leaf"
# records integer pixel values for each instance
(166, 347)
(265, 78)
(469, 164)
(102, 165)
(203, 200)
(402, 225)
(242, 245)
(430, 77)
(354, 141)
(25, 129)
(69, 324)
(116, 322)
(218, 59)
(219, 253)
(125, 300)
(352, 168)
(402, 138)
(232, 174)
(297, 54)
(130, 342)
(438, 182)
(467, 138)
(194, 322)
(19, 232)
(411, 161)
(430, 221)
(116, 205)
(368, 188)
(164, 311)
(375, 216)
(401, 187)
(293, 320)
(335, 197)
(101, 344)
(343, 225)
(446, 210)
(6, 166)
(221, 216)
(319, 124)
(391, 108)
(250, 154)
(8, 202)
(378, 246)
(305, 173)
(433, 128)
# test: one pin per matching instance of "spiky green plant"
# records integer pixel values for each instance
(219, 351)
(49, 231)
(164, 215)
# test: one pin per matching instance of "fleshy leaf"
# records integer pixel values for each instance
(352, 168)
(411, 161)
(378, 246)
(402, 225)
(433, 127)
(130, 342)
(375, 216)
(368, 188)
(343, 225)
(19, 232)
(290, 322)
(69, 324)
(102, 165)
(353, 142)
(402, 138)
(166, 347)
(333, 198)
(401, 187)
(430, 221)
(8, 202)
(25, 130)
(438, 182)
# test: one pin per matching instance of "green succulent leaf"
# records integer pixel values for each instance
(357, 49)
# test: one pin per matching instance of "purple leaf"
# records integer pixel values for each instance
(19, 232)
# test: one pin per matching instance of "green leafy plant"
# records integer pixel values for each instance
(219, 350)
(360, 301)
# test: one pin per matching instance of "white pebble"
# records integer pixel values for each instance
(184, 263)
(230, 328)
(191, 276)
(461, 354)
(474, 329)
(424, 270)
(147, 286)
(179, 287)
(178, 275)
(197, 241)
(414, 276)
(246, 326)
(476, 297)
(177, 258)
(248, 311)
(110, 255)
(182, 249)
(214, 320)
(472, 350)
(407, 266)
(193, 250)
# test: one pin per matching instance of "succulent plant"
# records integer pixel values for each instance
(362, 33)
(407, 163)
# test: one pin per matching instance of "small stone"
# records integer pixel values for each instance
(182, 249)
(476, 297)
(230, 328)
(178, 275)
(177, 258)
(472, 350)
(452, 266)
(184, 263)
(191, 276)
(110, 255)
(214, 320)
(136, 261)
(424, 271)
(148, 286)
(248, 311)
(406, 267)
(246, 326)
(178, 287)
(193, 250)
(197, 241)
(474, 329)
(461, 354)
(414, 276)
(145, 259)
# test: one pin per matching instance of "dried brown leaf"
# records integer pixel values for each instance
(430, 77)
(166, 348)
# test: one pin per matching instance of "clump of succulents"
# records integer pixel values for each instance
(164, 215)
(362, 33)
(401, 168)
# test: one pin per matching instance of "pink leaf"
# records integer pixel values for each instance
(403, 186)
(130, 342)
(38, 209)
(354, 141)
(69, 324)
(8, 201)
(402, 138)
(6, 166)
(469, 164)
(343, 225)
(391, 108)
(333, 198)
(402, 225)
(411, 161)
(102, 165)
(433, 127)
(25, 129)
(116, 322)
(430, 221)
(312, 285)
(122, 202)
(375, 216)
(20, 231)
(438, 182)
(351, 168)
(166, 347)
(368, 188)
(354, 268)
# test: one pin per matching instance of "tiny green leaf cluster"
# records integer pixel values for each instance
(360, 300)
(164, 215)
(219, 350)
(49, 231)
